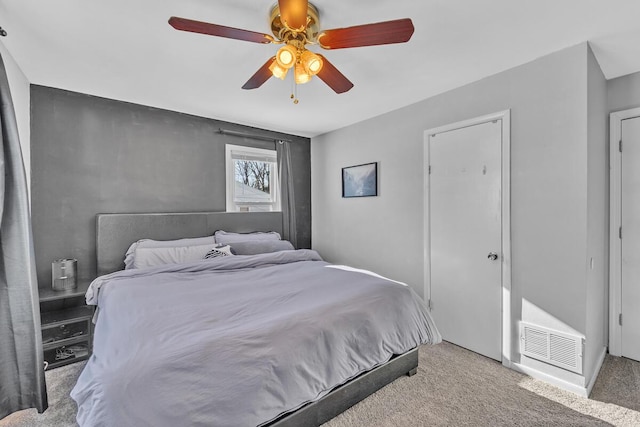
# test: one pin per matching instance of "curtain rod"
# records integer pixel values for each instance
(250, 135)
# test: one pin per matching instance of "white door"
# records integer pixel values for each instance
(631, 238)
(466, 236)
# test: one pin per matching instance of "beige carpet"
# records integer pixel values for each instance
(62, 410)
(456, 387)
(453, 387)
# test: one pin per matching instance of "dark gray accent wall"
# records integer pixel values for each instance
(93, 155)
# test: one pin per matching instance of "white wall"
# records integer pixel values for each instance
(597, 219)
(20, 88)
(623, 93)
(549, 159)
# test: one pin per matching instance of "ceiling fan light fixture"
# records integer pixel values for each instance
(312, 63)
(301, 76)
(286, 56)
(278, 71)
(296, 24)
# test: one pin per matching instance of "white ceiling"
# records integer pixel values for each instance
(125, 50)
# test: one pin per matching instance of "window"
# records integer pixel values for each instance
(252, 179)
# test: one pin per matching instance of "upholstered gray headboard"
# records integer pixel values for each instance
(116, 232)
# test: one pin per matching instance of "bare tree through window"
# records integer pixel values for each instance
(254, 173)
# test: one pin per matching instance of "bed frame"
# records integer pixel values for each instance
(116, 232)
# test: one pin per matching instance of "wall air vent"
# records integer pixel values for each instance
(553, 347)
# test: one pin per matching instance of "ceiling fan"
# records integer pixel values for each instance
(296, 24)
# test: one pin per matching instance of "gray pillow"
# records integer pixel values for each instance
(226, 238)
(261, 247)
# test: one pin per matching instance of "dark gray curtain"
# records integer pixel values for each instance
(288, 201)
(22, 382)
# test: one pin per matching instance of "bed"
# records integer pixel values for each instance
(272, 339)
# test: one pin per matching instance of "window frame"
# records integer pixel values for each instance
(231, 153)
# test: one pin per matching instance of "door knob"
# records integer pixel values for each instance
(492, 256)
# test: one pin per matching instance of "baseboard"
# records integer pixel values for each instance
(565, 385)
(596, 371)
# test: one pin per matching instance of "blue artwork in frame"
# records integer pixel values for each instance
(360, 180)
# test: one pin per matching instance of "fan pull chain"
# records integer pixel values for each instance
(293, 84)
(294, 90)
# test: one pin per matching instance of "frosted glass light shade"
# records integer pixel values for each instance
(312, 63)
(286, 56)
(277, 70)
(301, 76)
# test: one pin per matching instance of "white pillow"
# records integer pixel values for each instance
(151, 257)
(129, 258)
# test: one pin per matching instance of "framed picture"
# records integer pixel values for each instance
(360, 180)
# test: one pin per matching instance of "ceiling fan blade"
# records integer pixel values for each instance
(333, 77)
(218, 30)
(261, 76)
(388, 32)
(293, 13)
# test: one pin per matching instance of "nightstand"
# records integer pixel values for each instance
(66, 326)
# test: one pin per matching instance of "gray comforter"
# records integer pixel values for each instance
(237, 341)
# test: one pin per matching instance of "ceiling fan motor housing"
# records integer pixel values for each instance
(310, 33)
